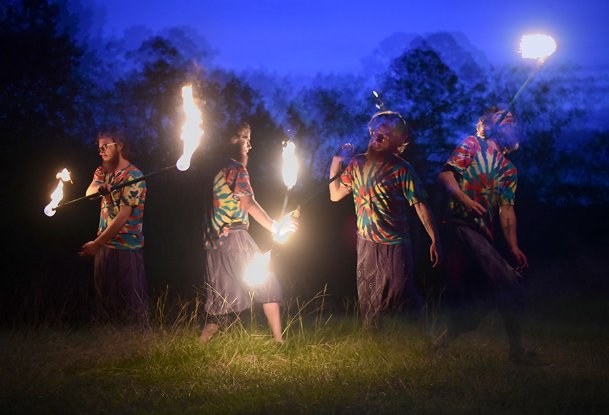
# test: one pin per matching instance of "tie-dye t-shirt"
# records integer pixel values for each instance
(486, 176)
(231, 182)
(131, 236)
(383, 192)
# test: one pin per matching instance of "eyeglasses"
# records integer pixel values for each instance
(104, 147)
(380, 137)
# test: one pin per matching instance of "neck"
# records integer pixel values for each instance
(122, 163)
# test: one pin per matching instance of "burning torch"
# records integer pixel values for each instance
(57, 195)
(191, 135)
(289, 173)
(191, 130)
(535, 46)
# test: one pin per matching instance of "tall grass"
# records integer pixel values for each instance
(329, 364)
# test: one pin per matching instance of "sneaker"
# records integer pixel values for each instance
(528, 358)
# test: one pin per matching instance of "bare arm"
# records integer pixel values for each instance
(507, 217)
(427, 219)
(91, 247)
(98, 184)
(447, 178)
(95, 187)
(251, 206)
(337, 191)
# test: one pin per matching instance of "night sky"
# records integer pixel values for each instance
(306, 37)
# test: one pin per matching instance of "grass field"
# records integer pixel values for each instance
(328, 365)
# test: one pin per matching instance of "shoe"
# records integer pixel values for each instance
(528, 358)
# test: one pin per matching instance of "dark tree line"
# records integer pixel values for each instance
(59, 87)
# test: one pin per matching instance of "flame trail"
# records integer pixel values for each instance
(57, 194)
(191, 130)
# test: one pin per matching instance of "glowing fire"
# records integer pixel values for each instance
(289, 169)
(537, 46)
(284, 227)
(191, 130)
(257, 270)
(57, 195)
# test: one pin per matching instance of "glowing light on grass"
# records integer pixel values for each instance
(57, 194)
(537, 46)
(191, 130)
(258, 269)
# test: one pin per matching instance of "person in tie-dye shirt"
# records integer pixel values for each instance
(384, 187)
(481, 182)
(119, 276)
(229, 247)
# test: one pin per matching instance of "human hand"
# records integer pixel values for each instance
(474, 207)
(89, 249)
(522, 262)
(345, 151)
(104, 189)
(284, 227)
(435, 254)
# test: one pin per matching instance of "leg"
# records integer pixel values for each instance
(273, 316)
(208, 331)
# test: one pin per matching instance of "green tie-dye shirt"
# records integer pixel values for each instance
(487, 177)
(382, 192)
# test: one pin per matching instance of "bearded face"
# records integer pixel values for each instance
(241, 145)
(109, 152)
(506, 135)
(384, 140)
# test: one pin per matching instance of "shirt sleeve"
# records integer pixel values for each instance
(462, 156)
(509, 184)
(239, 182)
(346, 178)
(99, 175)
(413, 188)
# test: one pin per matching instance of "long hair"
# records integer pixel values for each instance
(216, 158)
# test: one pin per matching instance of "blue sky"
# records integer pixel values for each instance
(306, 37)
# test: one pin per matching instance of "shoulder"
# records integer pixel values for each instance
(357, 161)
(134, 171)
(472, 142)
(234, 165)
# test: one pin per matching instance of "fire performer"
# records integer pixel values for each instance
(229, 246)
(384, 185)
(481, 182)
(119, 276)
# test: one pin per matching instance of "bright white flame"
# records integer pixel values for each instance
(283, 227)
(537, 46)
(64, 175)
(257, 270)
(289, 168)
(57, 195)
(191, 130)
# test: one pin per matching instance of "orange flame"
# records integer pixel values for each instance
(57, 195)
(191, 130)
